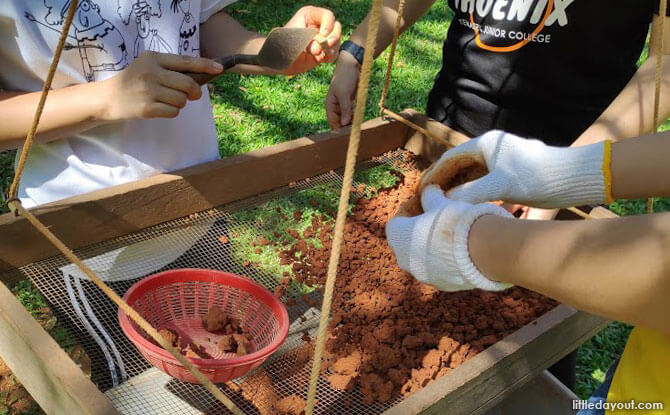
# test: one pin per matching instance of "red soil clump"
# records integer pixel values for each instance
(170, 336)
(235, 343)
(235, 338)
(194, 351)
(390, 334)
(186, 347)
(290, 405)
(217, 321)
(258, 389)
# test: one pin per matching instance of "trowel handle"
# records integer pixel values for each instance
(227, 62)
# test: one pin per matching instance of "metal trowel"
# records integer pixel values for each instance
(280, 49)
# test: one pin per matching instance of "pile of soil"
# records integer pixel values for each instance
(390, 334)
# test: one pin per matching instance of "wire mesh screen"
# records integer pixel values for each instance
(215, 239)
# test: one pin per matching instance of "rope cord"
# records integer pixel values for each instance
(387, 81)
(15, 204)
(416, 127)
(663, 4)
(389, 66)
(14, 187)
(347, 181)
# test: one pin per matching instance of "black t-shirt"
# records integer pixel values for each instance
(551, 88)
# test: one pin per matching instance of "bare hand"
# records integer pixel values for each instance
(153, 86)
(342, 92)
(314, 54)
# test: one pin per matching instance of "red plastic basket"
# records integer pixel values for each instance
(177, 300)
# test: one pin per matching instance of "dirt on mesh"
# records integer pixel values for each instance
(290, 405)
(390, 334)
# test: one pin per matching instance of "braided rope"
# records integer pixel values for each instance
(389, 66)
(14, 187)
(347, 181)
(387, 81)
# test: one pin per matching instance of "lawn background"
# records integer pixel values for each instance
(254, 112)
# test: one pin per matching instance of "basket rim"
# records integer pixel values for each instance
(169, 277)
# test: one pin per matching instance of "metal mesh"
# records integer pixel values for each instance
(119, 370)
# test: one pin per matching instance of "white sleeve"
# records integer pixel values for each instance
(209, 8)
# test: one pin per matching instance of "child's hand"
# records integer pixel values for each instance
(329, 28)
(152, 86)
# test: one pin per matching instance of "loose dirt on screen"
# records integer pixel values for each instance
(390, 334)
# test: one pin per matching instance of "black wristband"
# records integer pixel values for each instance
(354, 50)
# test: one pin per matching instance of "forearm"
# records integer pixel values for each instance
(413, 12)
(631, 114)
(221, 35)
(640, 167)
(67, 111)
(616, 268)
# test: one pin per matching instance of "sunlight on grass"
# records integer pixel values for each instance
(598, 375)
(253, 112)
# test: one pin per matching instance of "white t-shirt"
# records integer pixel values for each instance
(105, 36)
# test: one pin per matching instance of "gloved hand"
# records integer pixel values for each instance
(433, 246)
(531, 173)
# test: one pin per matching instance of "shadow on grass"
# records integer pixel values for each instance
(259, 111)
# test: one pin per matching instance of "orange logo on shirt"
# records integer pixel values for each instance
(521, 14)
(518, 45)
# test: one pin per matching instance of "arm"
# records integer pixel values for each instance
(616, 268)
(221, 35)
(640, 167)
(67, 111)
(632, 112)
(340, 98)
(151, 86)
(413, 12)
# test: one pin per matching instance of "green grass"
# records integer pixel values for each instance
(33, 300)
(597, 355)
(6, 176)
(254, 112)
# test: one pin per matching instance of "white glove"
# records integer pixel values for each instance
(531, 173)
(433, 246)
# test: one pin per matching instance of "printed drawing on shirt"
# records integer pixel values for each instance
(100, 45)
(189, 41)
(142, 12)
